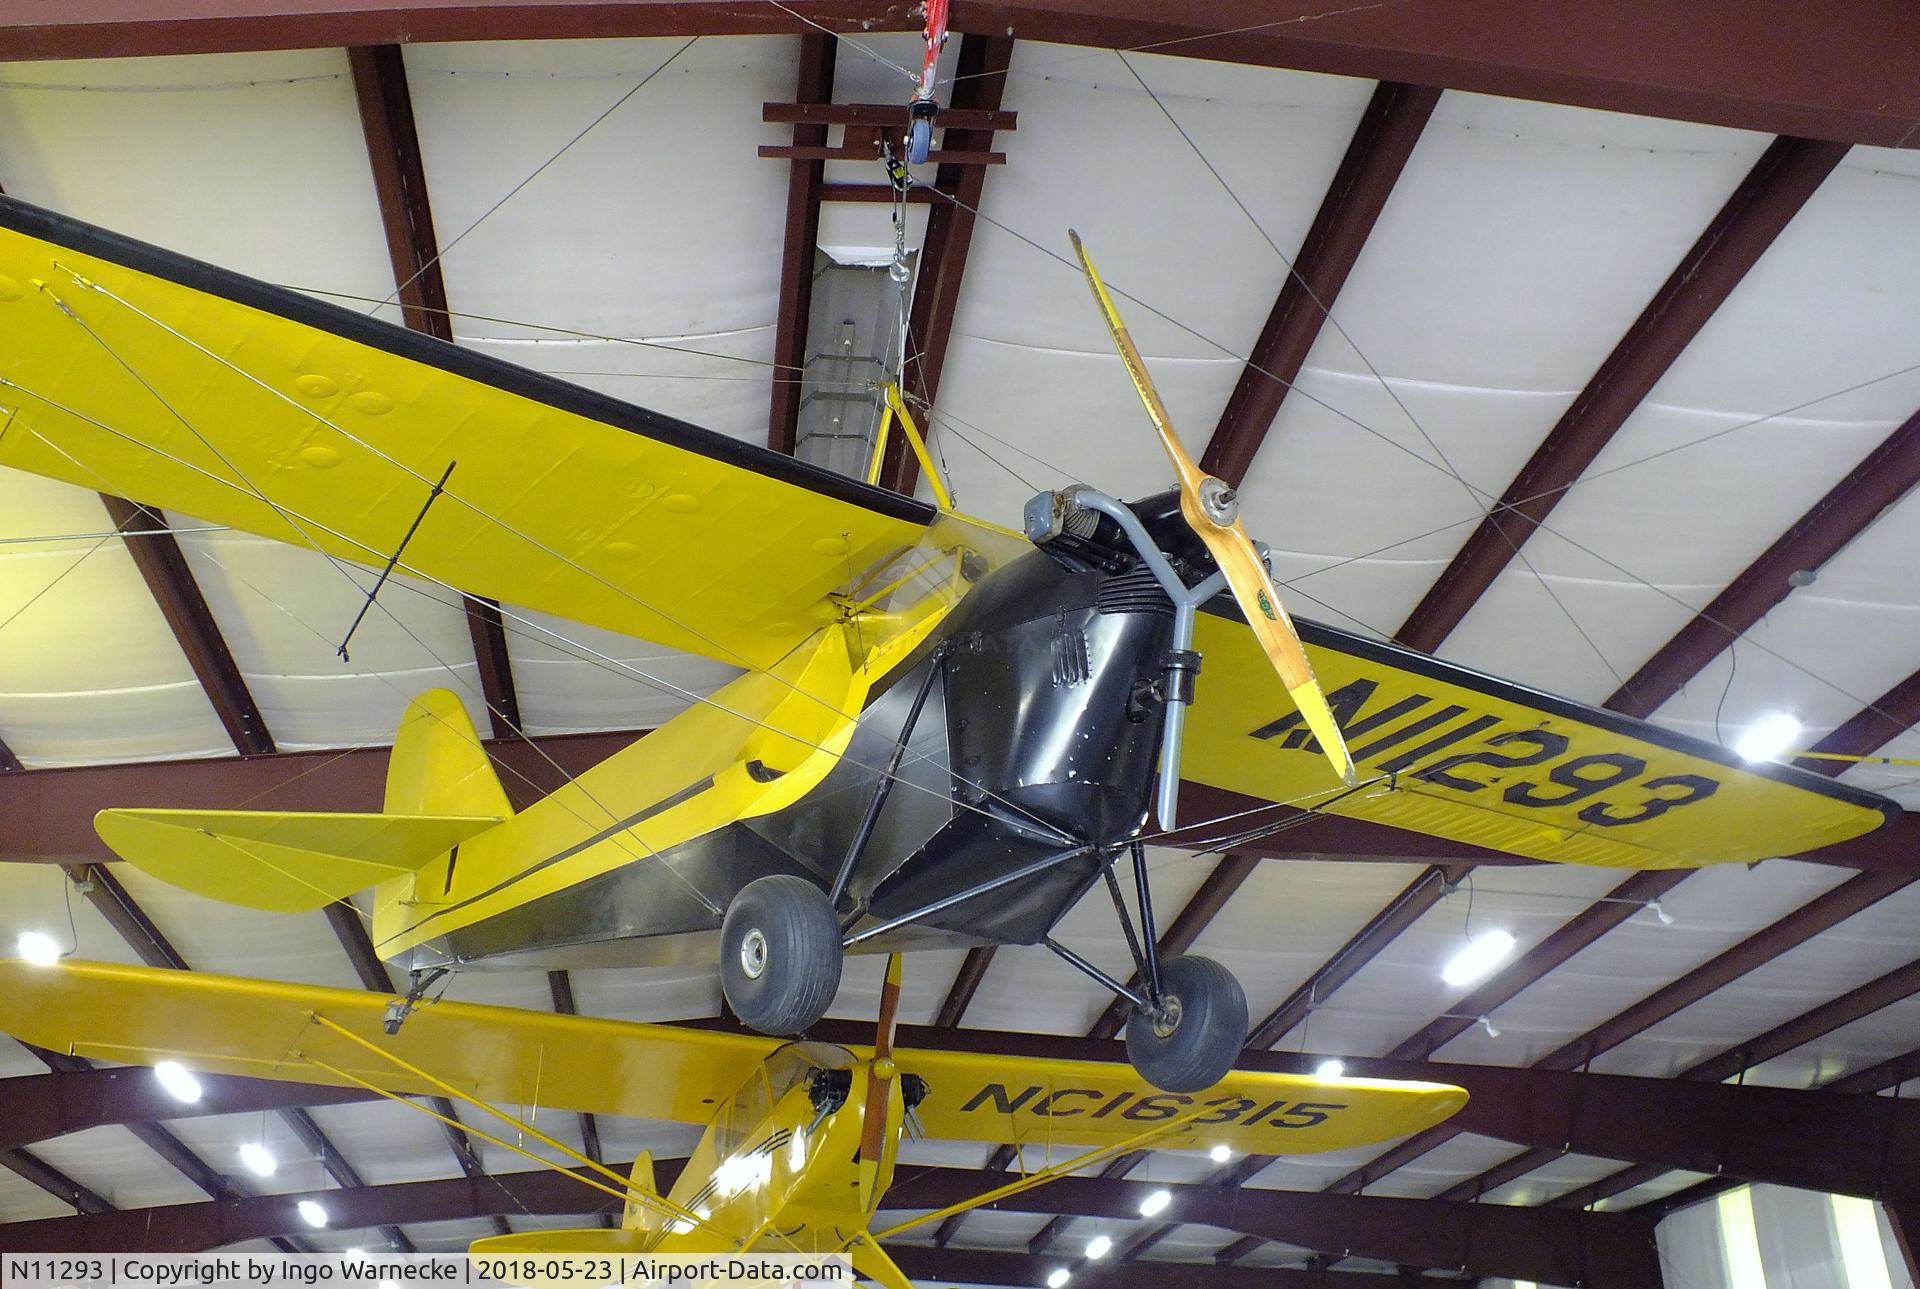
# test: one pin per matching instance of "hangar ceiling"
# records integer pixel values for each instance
(1580, 352)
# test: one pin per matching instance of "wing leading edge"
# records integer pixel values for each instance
(135, 371)
(1453, 753)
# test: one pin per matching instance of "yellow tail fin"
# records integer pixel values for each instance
(441, 790)
(640, 1216)
(439, 766)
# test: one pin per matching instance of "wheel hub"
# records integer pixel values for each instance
(753, 953)
(1218, 501)
(1166, 1019)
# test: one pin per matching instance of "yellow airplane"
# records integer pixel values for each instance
(800, 1137)
(946, 732)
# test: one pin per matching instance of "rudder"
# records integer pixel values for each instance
(439, 765)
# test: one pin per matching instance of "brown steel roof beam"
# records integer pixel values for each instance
(1795, 928)
(979, 80)
(48, 814)
(1786, 175)
(1890, 1073)
(400, 181)
(1893, 987)
(1406, 908)
(966, 983)
(1388, 130)
(42, 1106)
(1482, 1239)
(163, 566)
(798, 248)
(31, 1168)
(406, 213)
(1776, 66)
(1882, 479)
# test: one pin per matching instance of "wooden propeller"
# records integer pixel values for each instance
(1212, 509)
(881, 1078)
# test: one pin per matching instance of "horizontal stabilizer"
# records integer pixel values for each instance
(278, 861)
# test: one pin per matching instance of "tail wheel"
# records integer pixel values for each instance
(780, 954)
(1190, 1041)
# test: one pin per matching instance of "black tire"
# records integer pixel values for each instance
(1194, 1046)
(780, 954)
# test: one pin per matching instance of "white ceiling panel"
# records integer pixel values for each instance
(383, 1140)
(119, 1167)
(232, 941)
(1712, 910)
(1826, 652)
(1289, 918)
(1029, 360)
(1447, 1164)
(1011, 995)
(254, 161)
(1520, 242)
(1677, 502)
(1552, 1180)
(89, 670)
(1400, 989)
(599, 238)
(1890, 1032)
(217, 1139)
(22, 1201)
(573, 677)
(1866, 945)
(285, 612)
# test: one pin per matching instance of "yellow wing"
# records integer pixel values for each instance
(1039, 1103)
(1453, 753)
(131, 370)
(268, 1030)
(224, 1025)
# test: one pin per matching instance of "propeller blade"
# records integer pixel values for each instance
(880, 1081)
(1212, 510)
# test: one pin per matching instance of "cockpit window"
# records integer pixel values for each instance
(788, 1067)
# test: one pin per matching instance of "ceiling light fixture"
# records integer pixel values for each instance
(1155, 1203)
(258, 1159)
(312, 1213)
(38, 948)
(178, 1081)
(1768, 737)
(1058, 1277)
(1477, 958)
(1221, 1153)
(1098, 1247)
(356, 1254)
(1330, 1069)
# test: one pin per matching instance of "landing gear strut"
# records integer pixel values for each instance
(1189, 1039)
